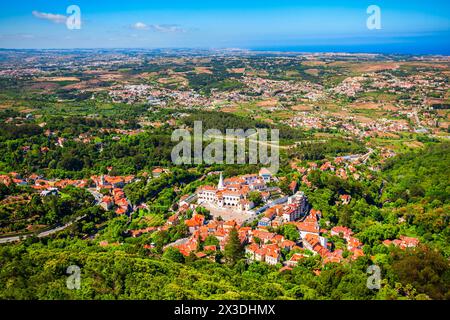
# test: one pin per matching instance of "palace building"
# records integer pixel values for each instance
(233, 192)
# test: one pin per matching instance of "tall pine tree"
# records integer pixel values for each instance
(234, 250)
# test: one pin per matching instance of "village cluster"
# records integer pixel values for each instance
(260, 243)
(107, 190)
(232, 194)
(271, 247)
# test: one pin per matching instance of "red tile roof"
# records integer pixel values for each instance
(297, 257)
(286, 268)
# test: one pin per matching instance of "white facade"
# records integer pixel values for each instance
(232, 193)
(271, 260)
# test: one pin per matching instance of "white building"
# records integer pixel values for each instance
(232, 192)
(299, 199)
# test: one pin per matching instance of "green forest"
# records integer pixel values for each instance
(36, 268)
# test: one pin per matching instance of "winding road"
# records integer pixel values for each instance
(41, 234)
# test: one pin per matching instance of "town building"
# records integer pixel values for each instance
(232, 192)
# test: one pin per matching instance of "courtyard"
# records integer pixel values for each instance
(228, 213)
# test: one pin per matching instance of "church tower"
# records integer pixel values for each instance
(220, 186)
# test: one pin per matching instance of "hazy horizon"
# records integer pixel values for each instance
(406, 27)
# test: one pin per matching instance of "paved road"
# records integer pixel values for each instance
(41, 234)
(234, 139)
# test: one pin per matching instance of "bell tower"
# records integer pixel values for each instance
(220, 186)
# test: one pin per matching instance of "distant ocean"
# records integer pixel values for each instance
(423, 45)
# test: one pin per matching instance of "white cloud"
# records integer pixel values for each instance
(166, 28)
(140, 26)
(158, 27)
(56, 18)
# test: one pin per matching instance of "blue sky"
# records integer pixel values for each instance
(302, 25)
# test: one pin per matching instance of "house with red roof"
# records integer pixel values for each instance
(343, 232)
(286, 268)
(265, 174)
(173, 219)
(333, 257)
(210, 248)
(308, 228)
(157, 172)
(345, 198)
(121, 211)
(107, 203)
(353, 243)
(195, 222)
(409, 242)
(230, 224)
(316, 244)
(356, 253)
(277, 239)
(403, 243)
(272, 257)
(250, 250)
(293, 261)
(287, 245)
(262, 235)
(200, 255)
(260, 254)
(327, 166)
